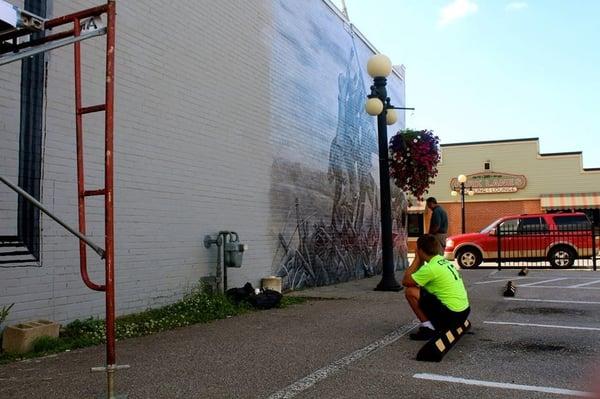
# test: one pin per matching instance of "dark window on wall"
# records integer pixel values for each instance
(33, 72)
(415, 225)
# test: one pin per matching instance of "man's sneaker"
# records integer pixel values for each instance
(424, 334)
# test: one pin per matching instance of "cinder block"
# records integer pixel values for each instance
(19, 338)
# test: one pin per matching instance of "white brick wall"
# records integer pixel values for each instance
(192, 156)
(194, 149)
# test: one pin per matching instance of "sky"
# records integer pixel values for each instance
(495, 69)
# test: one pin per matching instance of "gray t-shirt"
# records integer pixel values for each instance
(439, 217)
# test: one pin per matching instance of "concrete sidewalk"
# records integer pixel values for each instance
(541, 343)
(356, 289)
(248, 356)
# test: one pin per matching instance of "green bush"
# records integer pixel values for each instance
(48, 344)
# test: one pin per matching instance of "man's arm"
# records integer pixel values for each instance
(407, 279)
(434, 223)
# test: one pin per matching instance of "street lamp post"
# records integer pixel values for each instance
(462, 179)
(378, 104)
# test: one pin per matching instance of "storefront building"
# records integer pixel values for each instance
(507, 177)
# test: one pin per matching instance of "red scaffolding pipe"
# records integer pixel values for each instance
(107, 191)
(108, 254)
(108, 108)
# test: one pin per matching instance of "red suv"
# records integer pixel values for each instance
(559, 238)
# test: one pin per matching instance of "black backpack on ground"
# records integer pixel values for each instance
(266, 299)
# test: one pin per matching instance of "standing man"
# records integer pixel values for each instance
(438, 226)
(435, 291)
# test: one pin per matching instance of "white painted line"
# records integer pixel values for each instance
(323, 373)
(567, 287)
(502, 280)
(502, 385)
(584, 284)
(544, 281)
(552, 301)
(506, 323)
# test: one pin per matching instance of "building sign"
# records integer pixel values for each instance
(492, 183)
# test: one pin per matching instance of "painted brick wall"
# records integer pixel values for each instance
(325, 183)
(194, 151)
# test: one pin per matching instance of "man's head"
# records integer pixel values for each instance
(431, 203)
(428, 246)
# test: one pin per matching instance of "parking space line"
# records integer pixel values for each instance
(501, 385)
(509, 323)
(566, 287)
(553, 301)
(584, 284)
(324, 372)
(544, 281)
(502, 280)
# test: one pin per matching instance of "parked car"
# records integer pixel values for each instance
(560, 238)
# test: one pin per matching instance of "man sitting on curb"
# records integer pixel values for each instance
(434, 290)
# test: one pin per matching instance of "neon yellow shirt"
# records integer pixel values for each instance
(440, 278)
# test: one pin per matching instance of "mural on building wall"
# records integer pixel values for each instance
(325, 181)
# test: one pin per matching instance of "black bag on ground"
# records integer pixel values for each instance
(267, 299)
(238, 295)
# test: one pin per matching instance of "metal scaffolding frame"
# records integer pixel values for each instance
(73, 29)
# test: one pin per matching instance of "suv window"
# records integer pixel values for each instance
(509, 226)
(533, 225)
(572, 222)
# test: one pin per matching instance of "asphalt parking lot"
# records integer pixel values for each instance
(543, 343)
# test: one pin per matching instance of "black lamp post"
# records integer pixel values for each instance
(462, 179)
(378, 103)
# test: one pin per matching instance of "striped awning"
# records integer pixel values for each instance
(570, 201)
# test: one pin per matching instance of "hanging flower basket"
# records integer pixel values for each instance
(414, 155)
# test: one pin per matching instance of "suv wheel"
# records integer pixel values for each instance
(468, 258)
(562, 256)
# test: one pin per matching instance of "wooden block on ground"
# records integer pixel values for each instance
(510, 290)
(435, 349)
(19, 338)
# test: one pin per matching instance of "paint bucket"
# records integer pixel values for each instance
(271, 283)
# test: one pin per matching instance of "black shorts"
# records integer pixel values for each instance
(440, 316)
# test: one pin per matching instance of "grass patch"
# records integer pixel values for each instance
(287, 301)
(198, 306)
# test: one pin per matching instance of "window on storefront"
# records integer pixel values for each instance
(415, 225)
(593, 215)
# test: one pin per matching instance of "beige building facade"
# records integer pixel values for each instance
(509, 177)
